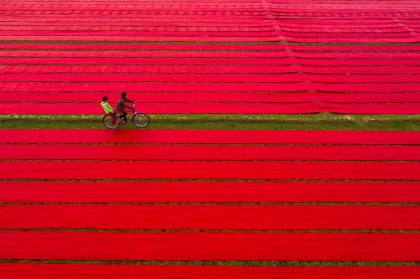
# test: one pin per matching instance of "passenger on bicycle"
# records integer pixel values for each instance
(122, 105)
(108, 109)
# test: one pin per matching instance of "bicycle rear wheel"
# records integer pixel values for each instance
(107, 120)
(141, 120)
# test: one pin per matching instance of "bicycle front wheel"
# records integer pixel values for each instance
(107, 120)
(141, 120)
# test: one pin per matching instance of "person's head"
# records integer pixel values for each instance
(105, 98)
(123, 94)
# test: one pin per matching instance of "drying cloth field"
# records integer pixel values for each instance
(209, 196)
(53, 63)
(234, 203)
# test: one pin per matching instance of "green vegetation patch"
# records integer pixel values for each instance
(322, 121)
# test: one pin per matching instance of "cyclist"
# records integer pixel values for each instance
(122, 105)
(108, 109)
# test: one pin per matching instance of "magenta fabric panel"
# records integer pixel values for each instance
(148, 192)
(202, 217)
(212, 170)
(210, 246)
(210, 136)
(90, 271)
(211, 153)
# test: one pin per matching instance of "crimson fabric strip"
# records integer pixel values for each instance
(354, 70)
(190, 217)
(327, 48)
(154, 47)
(188, 78)
(156, 61)
(341, 39)
(210, 246)
(212, 170)
(186, 86)
(136, 38)
(146, 33)
(147, 192)
(221, 108)
(219, 152)
(236, 78)
(193, 108)
(152, 54)
(81, 97)
(361, 55)
(204, 61)
(211, 87)
(90, 271)
(187, 97)
(210, 136)
(188, 69)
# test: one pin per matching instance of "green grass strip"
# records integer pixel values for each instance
(321, 121)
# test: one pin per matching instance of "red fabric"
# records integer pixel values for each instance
(213, 152)
(90, 271)
(222, 108)
(153, 47)
(148, 54)
(211, 170)
(204, 61)
(213, 78)
(211, 246)
(356, 39)
(209, 136)
(149, 61)
(190, 217)
(188, 69)
(206, 37)
(147, 192)
(173, 97)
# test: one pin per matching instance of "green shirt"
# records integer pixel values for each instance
(107, 107)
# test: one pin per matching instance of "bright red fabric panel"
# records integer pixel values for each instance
(202, 217)
(188, 69)
(90, 271)
(208, 97)
(209, 136)
(148, 192)
(219, 108)
(211, 246)
(214, 152)
(213, 78)
(211, 170)
(136, 38)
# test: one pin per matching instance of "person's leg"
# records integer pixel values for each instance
(125, 116)
(113, 117)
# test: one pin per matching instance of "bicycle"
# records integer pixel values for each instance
(139, 119)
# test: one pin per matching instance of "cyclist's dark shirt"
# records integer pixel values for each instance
(122, 104)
